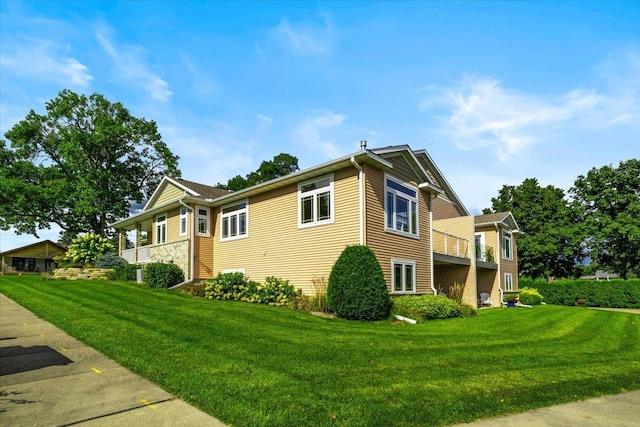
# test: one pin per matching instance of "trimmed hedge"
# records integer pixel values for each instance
(616, 293)
(429, 307)
(357, 289)
(159, 275)
(124, 272)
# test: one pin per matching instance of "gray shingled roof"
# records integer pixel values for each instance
(491, 218)
(205, 191)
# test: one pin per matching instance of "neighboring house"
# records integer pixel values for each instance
(36, 257)
(394, 200)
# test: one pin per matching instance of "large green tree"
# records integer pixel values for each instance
(609, 198)
(79, 166)
(551, 242)
(281, 165)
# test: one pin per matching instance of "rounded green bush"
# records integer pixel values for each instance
(357, 289)
(159, 275)
(530, 296)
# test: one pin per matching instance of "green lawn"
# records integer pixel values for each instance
(251, 365)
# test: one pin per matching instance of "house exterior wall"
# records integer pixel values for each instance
(491, 281)
(388, 246)
(169, 193)
(446, 275)
(177, 252)
(510, 266)
(276, 246)
(443, 209)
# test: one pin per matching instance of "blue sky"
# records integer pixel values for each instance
(496, 92)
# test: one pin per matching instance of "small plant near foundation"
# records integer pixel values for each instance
(236, 286)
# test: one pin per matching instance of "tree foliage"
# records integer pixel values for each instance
(609, 200)
(79, 165)
(552, 239)
(281, 165)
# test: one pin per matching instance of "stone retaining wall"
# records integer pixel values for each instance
(81, 273)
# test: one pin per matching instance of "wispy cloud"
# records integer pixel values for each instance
(304, 38)
(481, 112)
(45, 61)
(318, 132)
(129, 66)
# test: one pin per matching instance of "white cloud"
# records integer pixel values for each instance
(304, 38)
(483, 113)
(317, 132)
(129, 66)
(45, 61)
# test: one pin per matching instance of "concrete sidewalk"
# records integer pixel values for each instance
(620, 410)
(48, 378)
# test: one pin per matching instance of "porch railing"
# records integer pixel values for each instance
(448, 244)
(144, 255)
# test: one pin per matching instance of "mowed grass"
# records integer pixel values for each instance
(252, 365)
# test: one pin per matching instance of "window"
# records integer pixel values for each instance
(161, 228)
(234, 221)
(202, 217)
(315, 202)
(508, 282)
(401, 207)
(507, 249)
(403, 276)
(183, 222)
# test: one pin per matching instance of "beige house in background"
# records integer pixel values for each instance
(36, 257)
(394, 200)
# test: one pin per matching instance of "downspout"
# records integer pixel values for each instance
(433, 287)
(192, 243)
(498, 257)
(360, 196)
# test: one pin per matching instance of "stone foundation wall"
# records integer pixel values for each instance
(81, 273)
(177, 252)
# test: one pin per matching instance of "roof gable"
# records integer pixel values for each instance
(42, 249)
(505, 219)
(438, 177)
(171, 189)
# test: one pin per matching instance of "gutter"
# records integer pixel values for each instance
(193, 230)
(360, 196)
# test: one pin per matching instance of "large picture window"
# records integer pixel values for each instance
(403, 276)
(315, 202)
(202, 220)
(234, 221)
(401, 207)
(161, 228)
(507, 248)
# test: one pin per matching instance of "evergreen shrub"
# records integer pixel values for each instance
(124, 272)
(530, 296)
(357, 289)
(159, 275)
(430, 307)
(109, 260)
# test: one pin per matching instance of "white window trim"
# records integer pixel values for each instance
(197, 224)
(403, 262)
(184, 220)
(159, 224)
(504, 252)
(508, 282)
(406, 196)
(314, 193)
(235, 213)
